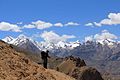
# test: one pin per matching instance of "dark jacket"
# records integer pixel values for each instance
(44, 55)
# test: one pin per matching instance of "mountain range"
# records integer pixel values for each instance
(96, 50)
(103, 55)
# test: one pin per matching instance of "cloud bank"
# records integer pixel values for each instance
(44, 25)
(4, 26)
(113, 19)
(105, 34)
(54, 38)
(72, 24)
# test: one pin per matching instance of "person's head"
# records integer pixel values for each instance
(47, 51)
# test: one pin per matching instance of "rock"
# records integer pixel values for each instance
(86, 73)
(69, 64)
(76, 68)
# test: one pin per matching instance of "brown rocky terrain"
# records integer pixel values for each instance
(86, 73)
(75, 67)
(16, 66)
(69, 64)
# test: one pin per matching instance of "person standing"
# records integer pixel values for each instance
(44, 56)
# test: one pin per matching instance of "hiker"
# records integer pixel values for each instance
(44, 56)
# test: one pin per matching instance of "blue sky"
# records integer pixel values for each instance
(76, 13)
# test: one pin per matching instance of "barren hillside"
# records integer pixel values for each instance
(16, 66)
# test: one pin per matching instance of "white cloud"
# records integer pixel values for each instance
(89, 38)
(42, 25)
(89, 24)
(113, 19)
(93, 24)
(105, 34)
(65, 37)
(4, 26)
(58, 24)
(20, 23)
(29, 26)
(54, 38)
(97, 24)
(104, 31)
(72, 24)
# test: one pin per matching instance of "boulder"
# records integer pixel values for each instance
(86, 73)
(69, 64)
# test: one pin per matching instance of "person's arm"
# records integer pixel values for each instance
(48, 55)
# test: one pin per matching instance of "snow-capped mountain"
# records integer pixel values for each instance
(23, 43)
(26, 44)
(102, 49)
(8, 39)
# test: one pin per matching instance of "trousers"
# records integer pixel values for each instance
(45, 63)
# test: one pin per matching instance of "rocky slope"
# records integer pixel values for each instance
(16, 66)
(86, 73)
(104, 55)
(77, 68)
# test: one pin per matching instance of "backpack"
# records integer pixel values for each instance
(42, 54)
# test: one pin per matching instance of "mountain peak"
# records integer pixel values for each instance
(8, 39)
(21, 39)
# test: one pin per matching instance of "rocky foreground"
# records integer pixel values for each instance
(76, 68)
(16, 66)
